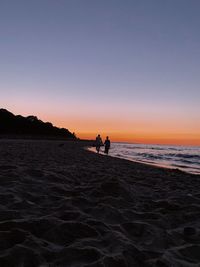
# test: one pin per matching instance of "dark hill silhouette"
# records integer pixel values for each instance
(30, 126)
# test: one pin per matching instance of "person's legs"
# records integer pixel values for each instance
(106, 150)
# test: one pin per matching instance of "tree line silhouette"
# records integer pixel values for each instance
(11, 124)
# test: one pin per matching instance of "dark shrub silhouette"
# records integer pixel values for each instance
(30, 126)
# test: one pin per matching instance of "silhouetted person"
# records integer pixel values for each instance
(107, 145)
(98, 143)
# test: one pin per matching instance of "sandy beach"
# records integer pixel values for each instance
(61, 205)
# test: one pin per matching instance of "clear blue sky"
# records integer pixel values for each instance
(77, 61)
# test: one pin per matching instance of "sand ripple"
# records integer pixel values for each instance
(63, 206)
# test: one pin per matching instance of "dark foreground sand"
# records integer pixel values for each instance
(63, 206)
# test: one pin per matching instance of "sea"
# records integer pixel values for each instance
(185, 158)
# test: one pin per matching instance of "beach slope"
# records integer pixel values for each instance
(61, 205)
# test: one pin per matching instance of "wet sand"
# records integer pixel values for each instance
(61, 205)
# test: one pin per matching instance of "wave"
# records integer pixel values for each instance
(181, 166)
(185, 167)
(187, 156)
(168, 156)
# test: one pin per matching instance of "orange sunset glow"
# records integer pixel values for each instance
(149, 132)
(181, 139)
(137, 124)
(146, 125)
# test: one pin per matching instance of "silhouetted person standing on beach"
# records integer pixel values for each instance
(107, 145)
(98, 143)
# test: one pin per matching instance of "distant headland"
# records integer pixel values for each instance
(31, 126)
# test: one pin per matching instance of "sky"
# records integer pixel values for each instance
(129, 69)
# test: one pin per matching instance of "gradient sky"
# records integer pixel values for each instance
(128, 68)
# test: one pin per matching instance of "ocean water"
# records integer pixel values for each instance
(186, 158)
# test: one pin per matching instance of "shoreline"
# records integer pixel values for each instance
(62, 205)
(92, 149)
